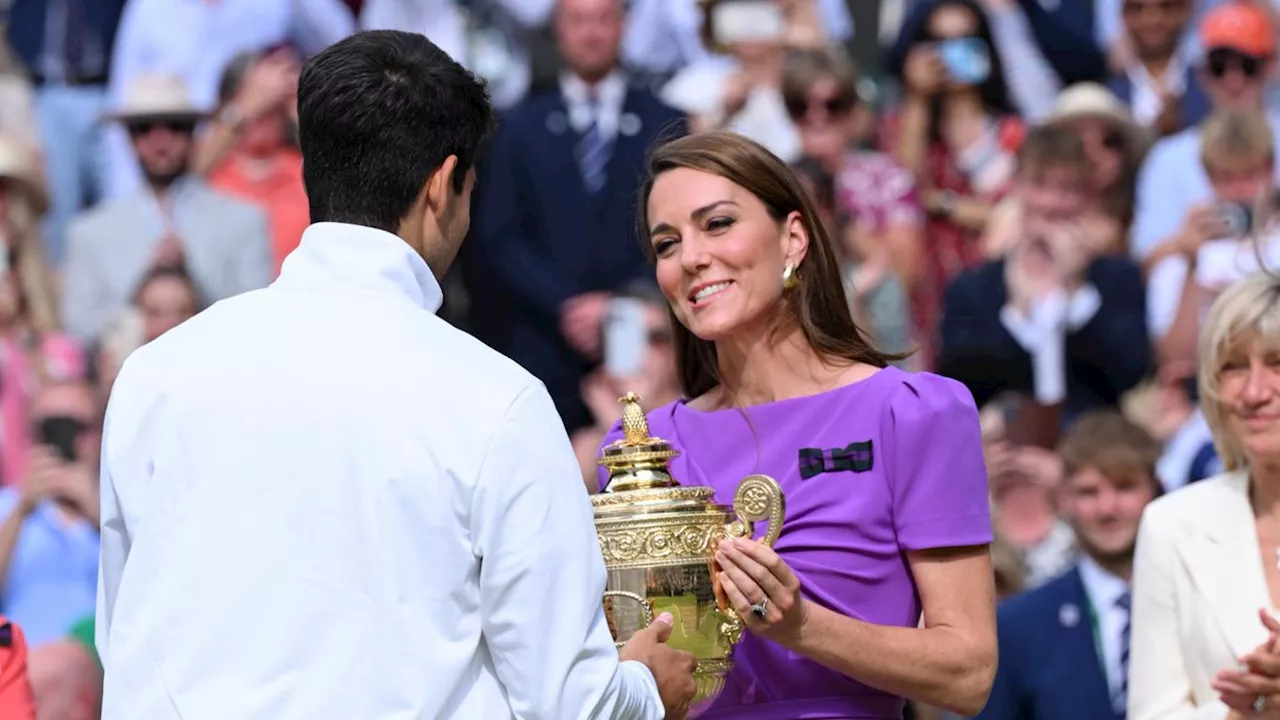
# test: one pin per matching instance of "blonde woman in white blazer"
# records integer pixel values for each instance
(1207, 570)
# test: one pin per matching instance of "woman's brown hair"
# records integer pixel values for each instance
(818, 302)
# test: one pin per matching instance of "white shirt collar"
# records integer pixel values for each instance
(1103, 588)
(610, 93)
(339, 255)
(1145, 89)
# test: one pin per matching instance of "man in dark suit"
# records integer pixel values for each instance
(1161, 85)
(554, 231)
(1064, 647)
(1056, 318)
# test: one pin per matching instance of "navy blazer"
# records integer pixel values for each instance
(25, 28)
(1050, 667)
(539, 238)
(1106, 357)
(1195, 105)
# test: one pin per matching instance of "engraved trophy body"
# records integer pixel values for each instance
(659, 539)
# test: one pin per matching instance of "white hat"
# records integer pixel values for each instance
(20, 165)
(1091, 100)
(157, 97)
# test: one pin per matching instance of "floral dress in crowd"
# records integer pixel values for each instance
(949, 249)
(876, 192)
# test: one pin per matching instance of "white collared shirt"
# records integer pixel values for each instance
(609, 95)
(1043, 334)
(1145, 102)
(319, 500)
(1104, 591)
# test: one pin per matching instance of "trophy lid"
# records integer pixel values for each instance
(638, 460)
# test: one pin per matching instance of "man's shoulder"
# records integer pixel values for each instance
(92, 222)
(483, 364)
(1180, 147)
(229, 208)
(1041, 606)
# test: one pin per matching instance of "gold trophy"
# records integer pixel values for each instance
(659, 542)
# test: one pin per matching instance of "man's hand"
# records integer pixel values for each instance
(1169, 121)
(672, 669)
(268, 85)
(1072, 253)
(582, 322)
(1202, 223)
(75, 487)
(43, 467)
(49, 477)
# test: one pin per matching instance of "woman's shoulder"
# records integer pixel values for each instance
(928, 398)
(1224, 492)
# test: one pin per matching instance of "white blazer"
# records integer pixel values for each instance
(1197, 587)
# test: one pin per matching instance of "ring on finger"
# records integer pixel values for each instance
(760, 608)
(1259, 704)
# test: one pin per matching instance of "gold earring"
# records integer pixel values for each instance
(790, 278)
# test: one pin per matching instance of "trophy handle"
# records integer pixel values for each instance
(645, 606)
(759, 497)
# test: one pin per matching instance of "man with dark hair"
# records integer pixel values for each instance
(1056, 316)
(1064, 647)
(320, 499)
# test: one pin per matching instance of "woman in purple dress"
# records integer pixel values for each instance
(887, 510)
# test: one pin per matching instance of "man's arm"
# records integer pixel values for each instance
(542, 578)
(114, 535)
(84, 305)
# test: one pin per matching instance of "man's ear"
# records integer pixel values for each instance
(439, 189)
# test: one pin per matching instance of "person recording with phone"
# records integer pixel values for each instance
(1053, 320)
(964, 165)
(638, 357)
(1215, 245)
(49, 533)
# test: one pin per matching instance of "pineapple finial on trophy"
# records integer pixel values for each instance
(635, 428)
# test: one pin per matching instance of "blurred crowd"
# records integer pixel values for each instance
(1039, 198)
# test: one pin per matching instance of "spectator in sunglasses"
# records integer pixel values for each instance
(176, 220)
(1239, 39)
(875, 193)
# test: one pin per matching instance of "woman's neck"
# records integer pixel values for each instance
(769, 367)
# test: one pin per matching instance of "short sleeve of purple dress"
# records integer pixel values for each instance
(870, 470)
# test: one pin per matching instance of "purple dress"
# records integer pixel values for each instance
(890, 463)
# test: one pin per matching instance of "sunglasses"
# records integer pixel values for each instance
(799, 107)
(145, 127)
(1220, 61)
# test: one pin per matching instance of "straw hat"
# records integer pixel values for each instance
(157, 97)
(20, 166)
(1091, 100)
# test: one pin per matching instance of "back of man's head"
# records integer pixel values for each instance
(379, 112)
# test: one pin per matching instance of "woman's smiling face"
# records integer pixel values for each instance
(719, 253)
